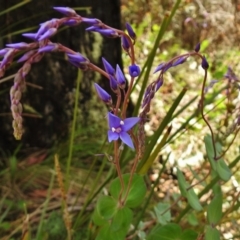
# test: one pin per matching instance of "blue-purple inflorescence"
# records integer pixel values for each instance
(33, 52)
(118, 128)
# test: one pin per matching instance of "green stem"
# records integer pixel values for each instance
(73, 127)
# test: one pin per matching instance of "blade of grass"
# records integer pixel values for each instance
(75, 111)
(16, 6)
(45, 205)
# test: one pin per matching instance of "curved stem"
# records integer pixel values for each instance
(203, 116)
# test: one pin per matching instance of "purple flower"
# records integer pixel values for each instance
(205, 64)
(26, 56)
(48, 48)
(107, 32)
(197, 48)
(118, 128)
(134, 70)
(21, 45)
(7, 57)
(159, 83)
(77, 58)
(105, 97)
(66, 11)
(71, 22)
(4, 51)
(180, 60)
(120, 77)
(32, 36)
(108, 67)
(91, 20)
(130, 31)
(44, 27)
(49, 33)
(113, 83)
(159, 67)
(125, 43)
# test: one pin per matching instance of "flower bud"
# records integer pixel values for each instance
(134, 70)
(205, 64)
(108, 67)
(120, 77)
(21, 45)
(104, 96)
(125, 43)
(197, 48)
(130, 31)
(113, 83)
(49, 33)
(65, 11)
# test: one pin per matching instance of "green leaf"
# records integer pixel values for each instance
(159, 209)
(105, 233)
(122, 220)
(98, 219)
(183, 185)
(192, 219)
(189, 235)
(107, 207)
(170, 231)
(219, 166)
(193, 200)
(136, 193)
(210, 151)
(223, 170)
(214, 209)
(212, 233)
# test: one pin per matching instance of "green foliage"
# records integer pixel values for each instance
(162, 211)
(136, 193)
(171, 231)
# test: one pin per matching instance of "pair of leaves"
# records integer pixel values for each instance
(171, 231)
(113, 218)
(219, 166)
(188, 193)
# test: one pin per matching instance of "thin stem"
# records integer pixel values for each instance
(118, 168)
(193, 185)
(203, 116)
(224, 152)
(73, 127)
(126, 98)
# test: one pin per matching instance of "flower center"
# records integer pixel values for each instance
(117, 130)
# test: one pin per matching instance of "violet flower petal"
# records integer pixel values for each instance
(113, 121)
(112, 136)
(129, 123)
(126, 139)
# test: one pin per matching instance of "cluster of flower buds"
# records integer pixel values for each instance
(33, 52)
(15, 97)
(163, 67)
